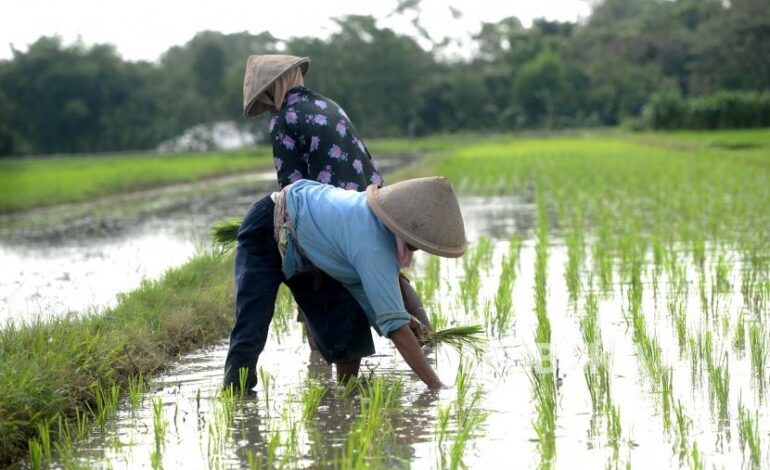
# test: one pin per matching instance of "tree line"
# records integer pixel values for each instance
(602, 71)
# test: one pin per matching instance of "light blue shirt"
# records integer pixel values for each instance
(342, 237)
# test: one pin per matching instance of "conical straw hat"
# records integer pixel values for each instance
(261, 72)
(424, 212)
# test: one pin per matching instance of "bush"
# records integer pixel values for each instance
(723, 110)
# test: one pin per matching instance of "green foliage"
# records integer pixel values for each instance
(601, 71)
(542, 89)
(722, 110)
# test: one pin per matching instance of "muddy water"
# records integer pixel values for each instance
(77, 258)
(506, 438)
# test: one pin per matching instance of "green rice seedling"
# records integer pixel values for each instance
(438, 320)
(503, 302)
(597, 377)
(273, 444)
(484, 252)
(748, 433)
(267, 382)
(575, 255)
(243, 378)
(603, 263)
(466, 337)
(589, 323)
(614, 428)
(699, 252)
(469, 288)
(159, 424)
(470, 424)
(135, 391)
(666, 396)
(683, 425)
(514, 249)
(369, 436)
(543, 386)
(696, 459)
(428, 283)
(758, 348)
(290, 425)
(442, 424)
(719, 381)
(739, 334)
(159, 427)
(225, 232)
(722, 276)
(312, 395)
(704, 299)
(680, 327)
(106, 402)
(283, 319)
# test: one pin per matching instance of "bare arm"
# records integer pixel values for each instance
(407, 346)
(412, 301)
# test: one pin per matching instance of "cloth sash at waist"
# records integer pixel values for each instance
(284, 230)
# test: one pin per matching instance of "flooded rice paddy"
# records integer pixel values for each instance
(607, 409)
(623, 286)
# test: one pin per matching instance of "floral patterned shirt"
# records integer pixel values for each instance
(314, 139)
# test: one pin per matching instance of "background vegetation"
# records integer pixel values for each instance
(600, 72)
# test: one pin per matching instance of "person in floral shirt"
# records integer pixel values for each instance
(312, 139)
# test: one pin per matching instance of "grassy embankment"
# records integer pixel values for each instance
(58, 376)
(28, 183)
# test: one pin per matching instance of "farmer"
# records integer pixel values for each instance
(358, 239)
(312, 138)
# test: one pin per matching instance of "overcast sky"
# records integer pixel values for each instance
(143, 29)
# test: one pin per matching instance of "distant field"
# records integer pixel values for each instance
(29, 183)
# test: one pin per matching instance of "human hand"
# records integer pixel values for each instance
(417, 328)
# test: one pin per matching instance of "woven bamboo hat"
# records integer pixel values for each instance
(261, 72)
(424, 212)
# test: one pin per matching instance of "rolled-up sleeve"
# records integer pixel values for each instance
(379, 293)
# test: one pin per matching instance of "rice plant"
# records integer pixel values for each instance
(267, 383)
(311, 397)
(466, 337)
(159, 428)
(749, 434)
(739, 335)
(758, 348)
(369, 436)
(224, 233)
(501, 320)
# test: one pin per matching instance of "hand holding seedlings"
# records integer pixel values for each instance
(418, 328)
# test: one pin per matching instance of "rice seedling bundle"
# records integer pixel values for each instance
(225, 232)
(459, 337)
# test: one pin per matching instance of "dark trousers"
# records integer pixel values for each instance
(334, 318)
